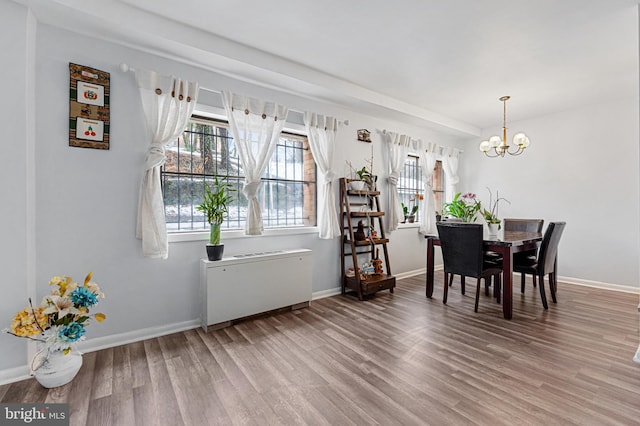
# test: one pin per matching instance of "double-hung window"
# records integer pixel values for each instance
(411, 187)
(206, 150)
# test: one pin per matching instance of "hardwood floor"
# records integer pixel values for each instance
(395, 359)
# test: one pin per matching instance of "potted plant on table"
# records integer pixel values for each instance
(464, 207)
(491, 216)
(214, 206)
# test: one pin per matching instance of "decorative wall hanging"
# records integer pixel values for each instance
(88, 107)
(364, 135)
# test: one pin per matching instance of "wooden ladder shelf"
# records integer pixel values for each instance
(363, 206)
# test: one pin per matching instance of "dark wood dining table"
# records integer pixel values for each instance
(506, 243)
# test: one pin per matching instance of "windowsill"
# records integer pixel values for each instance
(409, 225)
(229, 235)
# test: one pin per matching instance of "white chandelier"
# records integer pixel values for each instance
(499, 145)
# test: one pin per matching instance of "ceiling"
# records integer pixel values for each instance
(444, 62)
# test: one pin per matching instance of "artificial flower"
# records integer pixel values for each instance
(72, 332)
(83, 297)
(29, 322)
(63, 315)
(62, 306)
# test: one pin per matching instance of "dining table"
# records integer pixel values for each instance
(505, 243)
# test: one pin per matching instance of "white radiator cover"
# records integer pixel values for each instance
(244, 285)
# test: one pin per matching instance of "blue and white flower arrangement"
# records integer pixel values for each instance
(61, 319)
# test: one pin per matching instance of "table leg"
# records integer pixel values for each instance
(507, 282)
(430, 267)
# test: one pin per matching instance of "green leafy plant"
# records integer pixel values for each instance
(215, 206)
(414, 209)
(464, 207)
(364, 174)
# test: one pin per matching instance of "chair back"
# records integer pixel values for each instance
(461, 245)
(549, 247)
(524, 225)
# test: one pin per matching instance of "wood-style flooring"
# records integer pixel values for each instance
(397, 359)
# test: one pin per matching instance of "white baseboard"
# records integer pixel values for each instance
(119, 339)
(599, 284)
(11, 375)
(326, 293)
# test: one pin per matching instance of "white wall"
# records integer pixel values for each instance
(86, 200)
(582, 167)
(13, 175)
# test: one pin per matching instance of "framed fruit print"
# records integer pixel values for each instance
(88, 107)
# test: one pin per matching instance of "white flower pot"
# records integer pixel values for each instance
(58, 369)
(358, 185)
(493, 229)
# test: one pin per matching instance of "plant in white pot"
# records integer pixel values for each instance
(363, 178)
(214, 205)
(491, 216)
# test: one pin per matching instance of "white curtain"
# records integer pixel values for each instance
(428, 158)
(450, 167)
(322, 138)
(168, 103)
(398, 147)
(256, 127)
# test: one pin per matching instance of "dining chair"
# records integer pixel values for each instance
(520, 225)
(545, 263)
(463, 255)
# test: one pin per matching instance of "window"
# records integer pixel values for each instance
(410, 183)
(206, 149)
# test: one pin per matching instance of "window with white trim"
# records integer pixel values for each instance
(410, 186)
(206, 150)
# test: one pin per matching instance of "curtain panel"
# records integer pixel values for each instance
(168, 103)
(428, 158)
(322, 138)
(450, 167)
(398, 148)
(256, 127)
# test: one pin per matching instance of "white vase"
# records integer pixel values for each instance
(57, 369)
(493, 229)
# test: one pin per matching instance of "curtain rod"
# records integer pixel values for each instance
(442, 148)
(126, 68)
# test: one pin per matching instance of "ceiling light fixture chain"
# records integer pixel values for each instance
(499, 144)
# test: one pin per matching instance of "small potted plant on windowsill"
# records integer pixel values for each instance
(410, 214)
(214, 206)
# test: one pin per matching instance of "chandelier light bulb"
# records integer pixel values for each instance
(485, 146)
(521, 140)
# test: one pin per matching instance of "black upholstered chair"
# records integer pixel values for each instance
(523, 225)
(463, 255)
(546, 261)
(520, 225)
